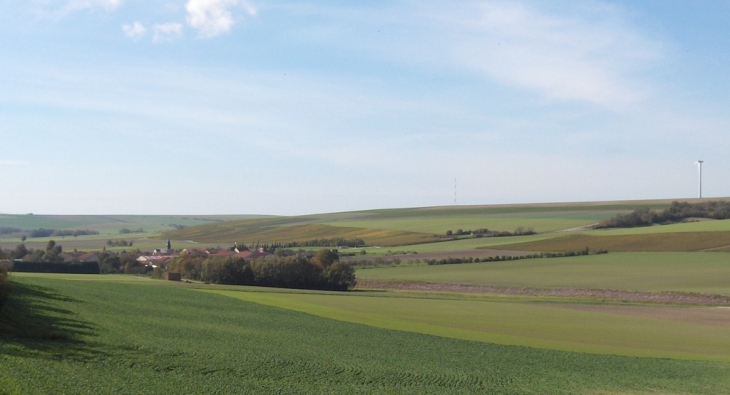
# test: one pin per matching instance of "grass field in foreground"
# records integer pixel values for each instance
(140, 338)
(687, 272)
(644, 331)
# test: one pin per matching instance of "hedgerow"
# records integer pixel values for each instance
(452, 261)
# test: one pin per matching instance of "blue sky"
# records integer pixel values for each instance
(275, 107)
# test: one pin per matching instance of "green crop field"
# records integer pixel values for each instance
(411, 225)
(650, 317)
(462, 246)
(646, 331)
(250, 232)
(699, 226)
(687, 241)
(539, 222)
(108, 226)
(113, 336)
(687, 272)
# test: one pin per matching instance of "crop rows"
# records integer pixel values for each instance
(128, 338)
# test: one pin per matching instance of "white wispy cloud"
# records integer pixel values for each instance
(6, 162)
(592, 52)
(590, 55)
(134, 30)
(167, 32)
(69, 6)
(213, 17)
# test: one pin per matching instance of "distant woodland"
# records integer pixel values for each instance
(321, 271)
(677, 212)
(41, 232)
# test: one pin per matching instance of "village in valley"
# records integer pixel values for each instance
(55, 259)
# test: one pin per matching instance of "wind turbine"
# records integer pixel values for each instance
(699, 166)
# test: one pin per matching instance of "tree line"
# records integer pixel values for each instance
(677, 212)
(322, 271)
(125, 231)
(41, 232)
(333, 242)
(108, 262)
(119, 243)
(484, 232)
(52, 253)
(453, 261)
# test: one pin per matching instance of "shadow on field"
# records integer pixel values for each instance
(34, 325)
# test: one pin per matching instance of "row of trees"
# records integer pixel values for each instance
(119, 243)
(61, 233)
(125, 231)
(109, 262)
(322, 271)
(677, 212)
(41, 232)
(51, 253)
(497, 258)
(333, 242)
(378, 262)
(484, 232)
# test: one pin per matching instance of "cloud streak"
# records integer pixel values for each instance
(134, 30)
(6, 162)
(588, 57)
(563, 58)
(167, 32)
(592, 53)
(213, 17)
(109, 5)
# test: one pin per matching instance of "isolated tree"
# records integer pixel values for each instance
(19, 252)
(23, 238)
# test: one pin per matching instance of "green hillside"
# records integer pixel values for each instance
(408, 225)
